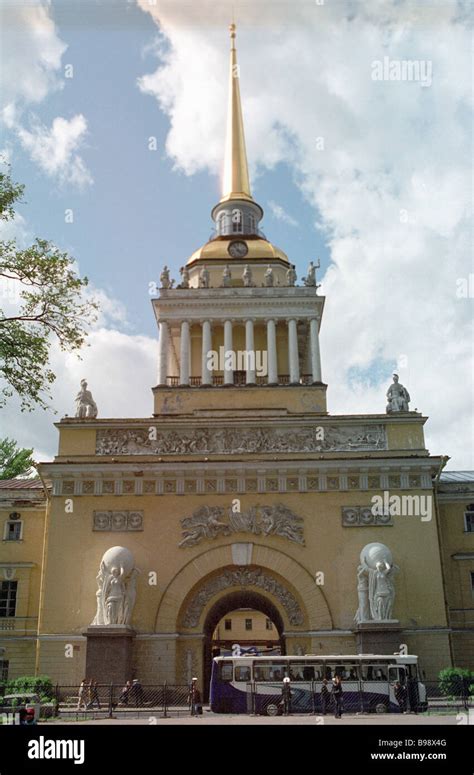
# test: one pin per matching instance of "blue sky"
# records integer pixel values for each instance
(385, 201)
(140, 212)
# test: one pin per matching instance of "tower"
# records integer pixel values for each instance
(237, 319)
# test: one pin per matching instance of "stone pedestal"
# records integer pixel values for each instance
(109, 653)
(378, 637)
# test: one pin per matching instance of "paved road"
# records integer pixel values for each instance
(239, 720)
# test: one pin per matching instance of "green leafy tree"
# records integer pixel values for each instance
(48, 305)
(14, 461)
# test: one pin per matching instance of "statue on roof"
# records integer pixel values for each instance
(184, 271)
(204, 278)
(165, 278)
(247, 277)
(268, 277)
(86, 407)
(291, 275)
(226, 278)
(398, 397)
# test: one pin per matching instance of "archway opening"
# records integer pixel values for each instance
(241, 608)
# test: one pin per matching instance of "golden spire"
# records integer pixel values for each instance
(236, 183)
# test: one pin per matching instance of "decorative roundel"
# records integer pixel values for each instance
(238, 249)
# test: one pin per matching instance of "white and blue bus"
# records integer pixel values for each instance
(370, 682)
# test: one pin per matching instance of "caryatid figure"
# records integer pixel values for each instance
(116, 588)
(85, 404)
(398, 397)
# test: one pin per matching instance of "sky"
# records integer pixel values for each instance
(113, 116)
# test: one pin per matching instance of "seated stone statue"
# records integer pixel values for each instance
(398, 397)
(85, 404)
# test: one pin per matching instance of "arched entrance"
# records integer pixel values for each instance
(231, 602)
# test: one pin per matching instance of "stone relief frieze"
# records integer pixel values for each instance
(244, 577)
(362, 516)
(208, 522)
(308, 438)
(117, 521)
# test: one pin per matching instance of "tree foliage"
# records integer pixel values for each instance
(47, 304)
(14, 461)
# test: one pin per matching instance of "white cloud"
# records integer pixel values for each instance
(391, 186)
(120, 371)
(31, 54)
(55, 150)
(31, 70)
(280, 214)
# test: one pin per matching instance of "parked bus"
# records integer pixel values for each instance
(370, 682)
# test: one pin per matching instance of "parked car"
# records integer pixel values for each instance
(26, 704)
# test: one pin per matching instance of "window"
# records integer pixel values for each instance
(226, 671)
(374, 672)
(8, 591)
(469, 519)
(13, 530)
(248, 624)
(269, 624)
(270, 671)
(242, 673)
(3, 670)
(228, 624)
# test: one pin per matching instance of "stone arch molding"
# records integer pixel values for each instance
(200, 583)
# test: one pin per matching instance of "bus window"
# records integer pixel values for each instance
(396, 674)
(270, 671)
(297, 671)
(226, 671)
(373, 673)
(242, 673)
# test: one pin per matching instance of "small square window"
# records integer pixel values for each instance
(228, 624)
(248, 624)
(13, 531)
(269, 624)
(469, 519)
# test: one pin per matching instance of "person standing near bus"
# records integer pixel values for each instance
(286, 696)
(325, 697)
(337, 694)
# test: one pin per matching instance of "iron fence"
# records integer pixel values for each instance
(261, 698)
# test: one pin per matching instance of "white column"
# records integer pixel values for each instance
(185, 354)
(272, 353)
(315, 352)
(228, 373)
(206, 376)
(250, 348)
(163, 347)
(293, 352)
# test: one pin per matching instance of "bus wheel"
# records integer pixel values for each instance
(381, 708)
(272, 710)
